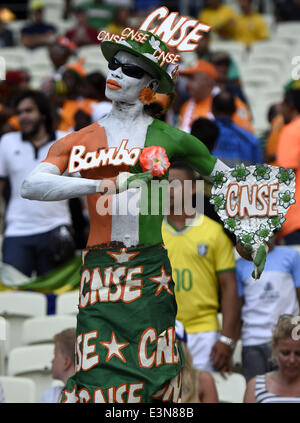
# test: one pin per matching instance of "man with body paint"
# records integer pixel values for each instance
(126, 349)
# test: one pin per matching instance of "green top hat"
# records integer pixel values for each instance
(146, 50)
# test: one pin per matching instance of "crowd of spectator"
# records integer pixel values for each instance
(210, 103)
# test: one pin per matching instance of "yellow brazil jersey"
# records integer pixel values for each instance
(222, 17)
(197, 254)
(249, 29)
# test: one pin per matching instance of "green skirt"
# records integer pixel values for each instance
(126, 348)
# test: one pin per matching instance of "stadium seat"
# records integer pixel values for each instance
(230, 47)
(231, 389)
(271, 95)
(271, 46)
(33, 362)
(67, 303)
(16, 306)
(18, 389)
(256, 81)
(38, 330)
(264, 69)
(270, 19)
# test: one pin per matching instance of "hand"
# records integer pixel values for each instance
(122, 182)
(126, 180)
(259, 260)
(221, 356)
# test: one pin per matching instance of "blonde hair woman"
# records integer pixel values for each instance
(282, 385)
(197, 386)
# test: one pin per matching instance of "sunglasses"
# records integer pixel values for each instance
(130, 70)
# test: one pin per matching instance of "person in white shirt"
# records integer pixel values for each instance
(262, 302)
(63, 363)
(32, 228)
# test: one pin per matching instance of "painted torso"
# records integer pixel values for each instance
(119, 217)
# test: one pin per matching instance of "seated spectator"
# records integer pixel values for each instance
(197, 385)
(234, 144)
(38, 33)
(82, 34)
(287, 10)
(201, 86)
(99, 13)
(220, 16)
(278, 292)
(63, 363)
(122, 14)
(282, 385)
(6, 35)
(250, 26)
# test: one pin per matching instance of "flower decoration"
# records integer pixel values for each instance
(154, 159)
(240, 172)
(246, 238)
(147, 95)
(264, 232)
(262, 172)
(218, 201)
(285, 176)
(276, 222)
(286, 199)
(154, 43)
(232, 224)
(219, 179)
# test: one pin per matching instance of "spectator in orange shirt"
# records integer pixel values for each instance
(202, 87)
(288, 156)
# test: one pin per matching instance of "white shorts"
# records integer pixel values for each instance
(200, 345)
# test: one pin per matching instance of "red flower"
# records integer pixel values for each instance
(155, 159)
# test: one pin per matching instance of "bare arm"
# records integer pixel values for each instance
(207, 388)
(249, 396)
(46, 182)
(221, 353)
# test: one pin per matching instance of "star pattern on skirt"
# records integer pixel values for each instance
(114, 348)
(70, 396)
(123, 256)
(163, 280)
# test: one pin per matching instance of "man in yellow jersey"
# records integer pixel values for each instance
(202, 260)
(220, 16)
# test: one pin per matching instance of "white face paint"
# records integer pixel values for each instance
(130, 88)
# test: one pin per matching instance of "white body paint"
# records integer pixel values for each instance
(126, 120)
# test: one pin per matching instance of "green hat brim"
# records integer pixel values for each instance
(166, 84)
